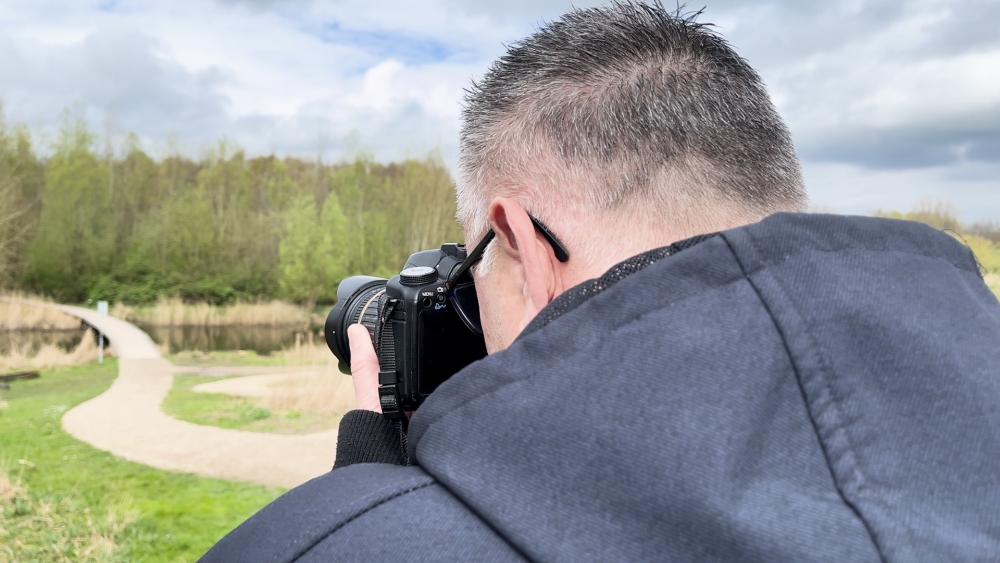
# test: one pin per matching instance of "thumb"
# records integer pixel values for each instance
(364, 368)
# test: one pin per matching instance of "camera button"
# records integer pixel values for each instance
(417, 275)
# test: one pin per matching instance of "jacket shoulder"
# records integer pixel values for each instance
(893, 335)
(363, 512)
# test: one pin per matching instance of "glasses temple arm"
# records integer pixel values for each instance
(558, 248)
(471, 259)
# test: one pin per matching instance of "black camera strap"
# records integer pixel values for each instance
(388, 392)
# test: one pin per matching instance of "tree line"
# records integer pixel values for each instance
(982, 237)
(83, 224)
(80, 224)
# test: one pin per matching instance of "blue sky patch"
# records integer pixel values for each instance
(385, 44)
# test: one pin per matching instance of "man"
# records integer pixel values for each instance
(702, 379)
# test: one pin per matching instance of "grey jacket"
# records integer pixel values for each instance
(808, 388)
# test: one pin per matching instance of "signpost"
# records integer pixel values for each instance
(102, 309)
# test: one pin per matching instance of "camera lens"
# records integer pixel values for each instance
(357, 301)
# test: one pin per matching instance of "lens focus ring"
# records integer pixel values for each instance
(365, 309)
(357, 300)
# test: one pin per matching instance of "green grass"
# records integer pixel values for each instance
(238, 413)
(217, 358)
(993, 282)
(229, 358)
(161, 516)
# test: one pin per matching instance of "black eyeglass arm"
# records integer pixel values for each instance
(558, 248)
(472, 258)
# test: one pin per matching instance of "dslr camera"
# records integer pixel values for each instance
(424, 323)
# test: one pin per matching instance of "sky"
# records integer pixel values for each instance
(890, 102)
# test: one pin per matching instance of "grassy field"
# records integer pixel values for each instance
(311, 352)
(241, 413)
(216, 358)
(62, 500)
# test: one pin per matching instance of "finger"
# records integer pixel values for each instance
(364, 368)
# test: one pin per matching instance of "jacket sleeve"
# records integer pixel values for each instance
(367, 437)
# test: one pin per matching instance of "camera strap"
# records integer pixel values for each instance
(388, 392)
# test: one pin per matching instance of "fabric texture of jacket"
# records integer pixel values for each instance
(806, 388)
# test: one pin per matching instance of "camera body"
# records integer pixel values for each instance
(419, 337)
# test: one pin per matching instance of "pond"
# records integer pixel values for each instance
(261, 339)
(28, 342)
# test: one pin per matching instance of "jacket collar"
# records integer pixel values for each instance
(577, 295)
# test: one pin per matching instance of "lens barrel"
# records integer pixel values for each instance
(356, 301)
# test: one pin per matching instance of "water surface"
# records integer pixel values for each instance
(30, 341)
(261, 339)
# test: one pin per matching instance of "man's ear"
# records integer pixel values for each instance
(517, 237)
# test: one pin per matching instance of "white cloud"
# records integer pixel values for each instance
(202, 71)
(889, 101)
(109, 71)
(846, 188)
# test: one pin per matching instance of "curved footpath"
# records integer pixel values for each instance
(126, 420)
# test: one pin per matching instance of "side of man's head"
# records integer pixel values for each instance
(622, 129)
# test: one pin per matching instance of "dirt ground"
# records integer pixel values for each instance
(127, 421)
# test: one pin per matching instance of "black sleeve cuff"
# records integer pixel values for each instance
(367, 437)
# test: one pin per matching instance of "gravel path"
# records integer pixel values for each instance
(126, 420)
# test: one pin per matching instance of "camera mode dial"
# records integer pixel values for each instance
(417, 275)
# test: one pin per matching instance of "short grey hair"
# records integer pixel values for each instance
(615, 104)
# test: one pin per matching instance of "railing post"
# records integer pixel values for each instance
(102, 309)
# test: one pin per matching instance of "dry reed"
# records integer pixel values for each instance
(324, 389)
(324, 392)
(19, 311)
(10, 491)
(51, 355)
(174, 312)
(308, 350)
